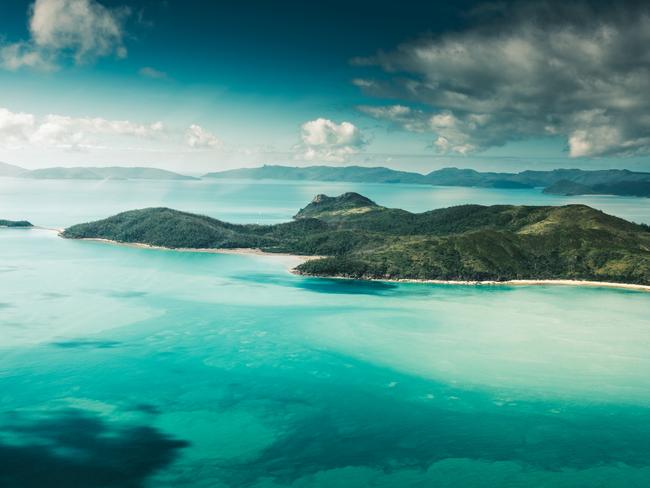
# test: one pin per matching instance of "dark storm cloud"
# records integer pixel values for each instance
(580, 71)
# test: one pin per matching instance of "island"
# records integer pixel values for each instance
(354, 237)
(103, 173)
(15, 223)
(12, 170)
(620, 188)
(611, 182)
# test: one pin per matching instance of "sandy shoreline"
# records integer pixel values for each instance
(298, 260)
(601, 284)
(237, 250)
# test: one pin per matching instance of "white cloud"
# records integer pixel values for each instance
(23, 55)
(15, 128)
(325, 140)
(83, 29)
(22, 129)
(150, 72)
(581, 73)
(198, 138)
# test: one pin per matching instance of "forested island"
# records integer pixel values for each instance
(355, 237)
(558, 181)
(15, 223)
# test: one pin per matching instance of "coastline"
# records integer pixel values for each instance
(298, 260)
(531, 282)
(236, 250)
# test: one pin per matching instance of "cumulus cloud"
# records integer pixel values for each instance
(82, 29)
(20, 129)
(198, 138)
(577, 72)
(325, 140)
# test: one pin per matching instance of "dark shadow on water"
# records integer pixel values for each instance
(324, 285)
(5, 305)
(348, 287)
(76, 449)
(147, 408)
(89, 344)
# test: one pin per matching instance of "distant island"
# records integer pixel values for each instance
(103, 173)
(630, 188)
(92, 173)
(15, 223)
(567, 182)
(10, 170)
(613, 181)
(356, 238)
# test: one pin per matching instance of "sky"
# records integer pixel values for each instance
(200, 86)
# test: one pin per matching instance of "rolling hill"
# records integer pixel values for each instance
(361, 239)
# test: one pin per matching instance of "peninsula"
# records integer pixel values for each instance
(357, 238)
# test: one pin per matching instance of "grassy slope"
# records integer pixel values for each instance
(365, 240)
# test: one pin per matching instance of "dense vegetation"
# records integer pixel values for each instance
(361, 239)
(622, 188)
(15, 223)
(614, 182)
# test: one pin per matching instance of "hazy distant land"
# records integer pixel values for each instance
(566, 182)
(92, 173)
(612, 181)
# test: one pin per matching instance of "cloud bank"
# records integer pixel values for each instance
(578, 72)
(325, 140)
(81, 29)
(19, 130)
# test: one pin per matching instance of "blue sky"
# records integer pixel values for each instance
(195, 85)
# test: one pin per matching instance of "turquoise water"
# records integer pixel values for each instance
(126, 367)
(63, 203)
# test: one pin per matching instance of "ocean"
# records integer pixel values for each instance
(126, 367)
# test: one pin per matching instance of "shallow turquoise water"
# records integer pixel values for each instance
(130, 367)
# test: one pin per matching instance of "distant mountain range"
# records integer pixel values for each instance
(92, 173)
(612, 181)
(558, 181)
(10, 170)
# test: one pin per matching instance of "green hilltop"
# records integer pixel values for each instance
(357, 238)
